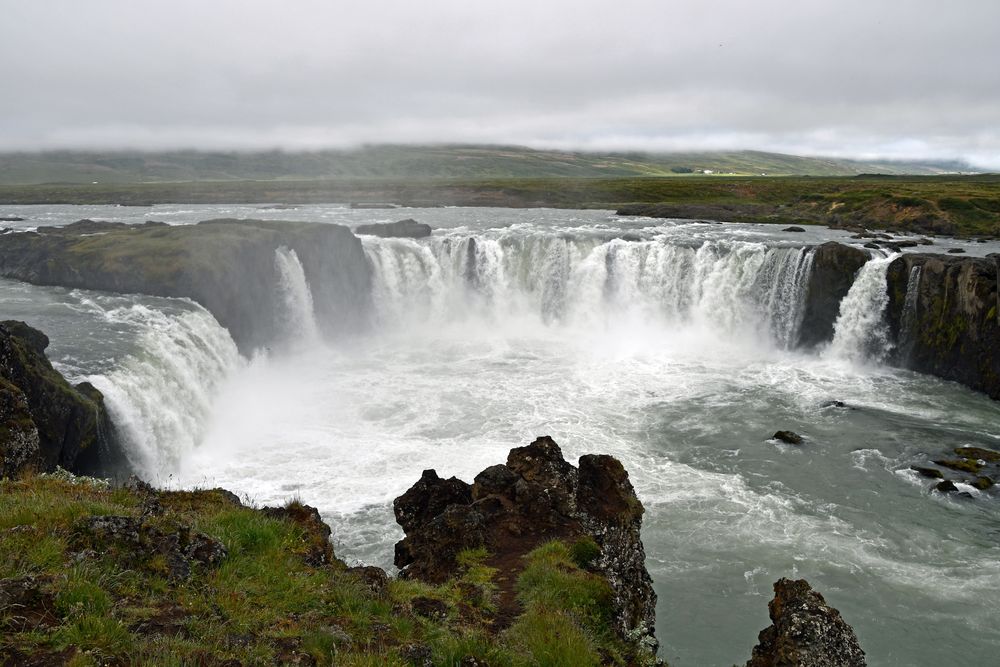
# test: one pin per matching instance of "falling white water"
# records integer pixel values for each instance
(733, 288)
(861, 332)
(298, 318)
(161, 395)
(909, 319)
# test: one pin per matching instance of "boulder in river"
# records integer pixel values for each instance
(788, 437)
(793, 228)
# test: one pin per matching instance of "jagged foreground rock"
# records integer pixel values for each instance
(805, 632)
(510, 509)
(44, 420)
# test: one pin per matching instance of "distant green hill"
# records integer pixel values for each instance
(423, 162)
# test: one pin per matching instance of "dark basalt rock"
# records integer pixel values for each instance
(805, 632)
(950, 325)
(511, 509)
(834, 267)
(788, 437)
(316, 545)
(947, 486)
(139, 542)
(930, 473)
(10, 218)
(44, 421)
(226, 265)
(793, 228)
(956, 251)
(404, 229)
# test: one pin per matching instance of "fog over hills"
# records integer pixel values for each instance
(427, 161)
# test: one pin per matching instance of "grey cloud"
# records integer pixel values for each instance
(898, 78)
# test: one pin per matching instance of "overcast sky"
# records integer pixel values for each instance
(887, 78)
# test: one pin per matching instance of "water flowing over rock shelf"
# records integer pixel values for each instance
(319, 363)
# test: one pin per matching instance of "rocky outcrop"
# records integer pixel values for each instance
(228, 266)
(404, 229)
(536, 497)
(834, 267)
(139, 542)
(944, 317)
(44, 421)
(805, 632)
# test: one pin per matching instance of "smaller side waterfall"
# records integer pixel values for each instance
(861, 332)
(908, 324)
(299, 318)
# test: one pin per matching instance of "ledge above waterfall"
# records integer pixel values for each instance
(226, 265)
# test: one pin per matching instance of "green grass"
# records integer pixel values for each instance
(264, 601)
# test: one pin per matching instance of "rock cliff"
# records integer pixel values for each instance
(512, 509)
(44, 421)
(228, 266)
(944, 317)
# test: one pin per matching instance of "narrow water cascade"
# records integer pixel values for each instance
(298, 316)
(907, 332)
(861, 332)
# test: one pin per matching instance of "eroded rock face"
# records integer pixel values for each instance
(834, 267)
(944, 317)
(226, 265)
(406, 229)
(44, 421)
(805, 632)
(535, 497)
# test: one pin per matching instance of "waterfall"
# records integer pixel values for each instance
(861, 332)
(738, 288)
(298, 316)
(160, 395)
(908, 323)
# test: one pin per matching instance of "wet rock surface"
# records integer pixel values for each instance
(977, 467)
(805, 632)
(510, 509)
(788, 437)
(404, 229)
(226, 265)
(949, 325)
(44, 420)
(834, 267)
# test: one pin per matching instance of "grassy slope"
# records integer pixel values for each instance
(264, 604)
(967, 205)
(407, 162)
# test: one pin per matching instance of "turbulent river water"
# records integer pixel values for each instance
(668, 344)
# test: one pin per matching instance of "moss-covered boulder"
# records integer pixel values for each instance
(226, 265)
(45, 421)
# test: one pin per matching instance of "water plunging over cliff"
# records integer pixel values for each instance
(670, 345)
(299, 317)
(861, 333)
(728, 288)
